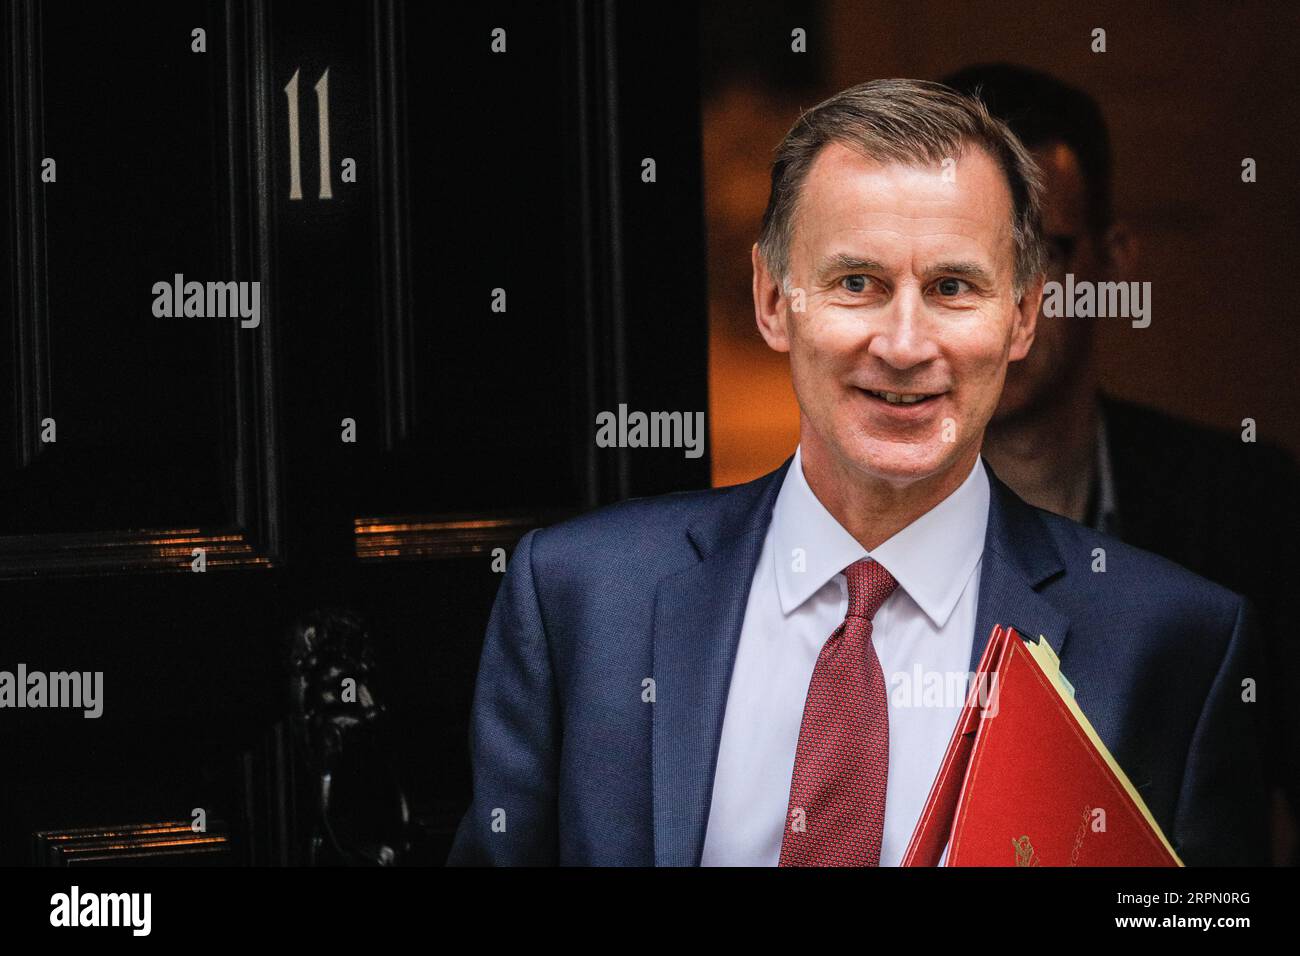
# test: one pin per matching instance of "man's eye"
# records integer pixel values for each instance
(950, 287)
(855, 283)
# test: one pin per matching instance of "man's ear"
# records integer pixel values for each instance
(1025, 321)
(769, 305)
(1122, 251)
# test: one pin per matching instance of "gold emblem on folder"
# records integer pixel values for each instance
(1025, 855)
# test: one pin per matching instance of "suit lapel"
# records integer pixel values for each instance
(1019, 557)
(697, 622)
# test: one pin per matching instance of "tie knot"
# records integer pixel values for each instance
(870, 583)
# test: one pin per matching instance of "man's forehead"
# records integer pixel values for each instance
(852, 197)
(969, 185)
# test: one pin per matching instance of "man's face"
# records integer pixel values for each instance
(1062, 343)
(908, 282)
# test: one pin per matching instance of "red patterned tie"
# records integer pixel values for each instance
(837, 794)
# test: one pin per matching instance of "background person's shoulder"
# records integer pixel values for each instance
(1208, 499)
(1169, 445)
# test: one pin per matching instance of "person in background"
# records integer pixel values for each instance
(1221, 507)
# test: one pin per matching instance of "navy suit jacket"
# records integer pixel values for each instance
(574, 764)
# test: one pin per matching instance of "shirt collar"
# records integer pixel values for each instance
(932, 558)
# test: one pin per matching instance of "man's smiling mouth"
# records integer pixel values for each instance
(900, 398)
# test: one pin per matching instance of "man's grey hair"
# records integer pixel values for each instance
(915, 122)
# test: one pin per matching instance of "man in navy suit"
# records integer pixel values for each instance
(769, 674)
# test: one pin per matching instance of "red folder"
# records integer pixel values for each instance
(1026, 781)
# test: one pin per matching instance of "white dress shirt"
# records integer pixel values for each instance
(922, 634)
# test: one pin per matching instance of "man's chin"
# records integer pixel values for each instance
(900, 464)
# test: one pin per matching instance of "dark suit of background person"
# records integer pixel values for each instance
(590, 774)
(1226, 509)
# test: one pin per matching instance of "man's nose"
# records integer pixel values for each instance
(904, 338)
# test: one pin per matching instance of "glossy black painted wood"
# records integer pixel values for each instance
(475, 171)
